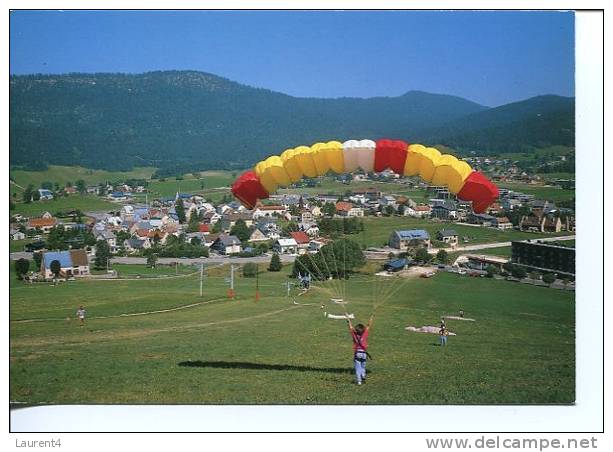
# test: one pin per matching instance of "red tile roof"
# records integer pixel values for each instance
(42, 222)
(300, 237)
(344, 206)
(203, 228)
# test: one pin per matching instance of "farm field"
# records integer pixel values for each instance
(83, 203)
(377, 231)
(215, 350)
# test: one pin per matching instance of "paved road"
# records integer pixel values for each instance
(288, 258)
(484, 246)
(209, 260)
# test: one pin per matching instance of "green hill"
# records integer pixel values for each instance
(538, 122)
(182, 121)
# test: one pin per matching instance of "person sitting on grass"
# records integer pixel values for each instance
(359, 335)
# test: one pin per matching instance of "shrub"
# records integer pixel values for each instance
(549, 278)
(250, 270)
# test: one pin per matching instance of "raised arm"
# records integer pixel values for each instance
(349, 323)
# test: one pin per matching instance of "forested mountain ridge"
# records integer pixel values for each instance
(193, 120)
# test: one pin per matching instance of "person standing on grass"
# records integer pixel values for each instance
(443, 334)
(359, 335)
(81, 315)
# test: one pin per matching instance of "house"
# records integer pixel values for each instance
(449, 236)
(204, 229)
(409, 239)
(531, 223)
(538, 222)
(316, 211)
(117, 196)
(418, 211)
(227, 244)
(370, 193)
(135, 245)
(483, 219)
(43, 223)
(315, 245)
(446, 210)
(45, 194)
(396, 265)
(72, 263)
(285, 246)
(15, 234)
(311, 229)
(107, 236)
(388, 200)
(306, 216)
(503, 223)
(552, 224)
(262, 211)
(211, 217)
(257, 236)
(347, 209)
(302, 241)
(270, 228)
(327, 198)
(127, 213)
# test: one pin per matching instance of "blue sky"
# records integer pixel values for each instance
(488, 57)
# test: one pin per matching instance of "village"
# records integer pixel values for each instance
(191, 229)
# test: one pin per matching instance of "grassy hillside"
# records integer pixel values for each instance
(520, 349)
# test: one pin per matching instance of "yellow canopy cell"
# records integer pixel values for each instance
(428, 162)
(290, 163)
(304, 158)
(456, 178)
(319, 158)
(412, 163)
(271, 173)
(333, 150)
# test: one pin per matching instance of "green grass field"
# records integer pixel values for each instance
(378, 230)
(216, 350)
(553, 194)
(63, 174)
(209, 181)
(83, 203)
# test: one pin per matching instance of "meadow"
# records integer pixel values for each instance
(64, 174)
(156, 341)
(377, 231)
(84, 203)
(549, 193)
(200, 183)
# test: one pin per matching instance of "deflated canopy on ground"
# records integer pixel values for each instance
(396, 155)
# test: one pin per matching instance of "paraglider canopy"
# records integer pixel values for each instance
(401, 157)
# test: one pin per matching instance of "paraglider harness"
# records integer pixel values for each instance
(360, 354)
